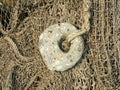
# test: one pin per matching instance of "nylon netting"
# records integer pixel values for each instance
(21, 65)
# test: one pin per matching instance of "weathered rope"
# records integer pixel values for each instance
(84, 29)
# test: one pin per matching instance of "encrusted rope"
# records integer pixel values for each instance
(84, 29)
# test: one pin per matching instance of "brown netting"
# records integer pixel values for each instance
(21, 65)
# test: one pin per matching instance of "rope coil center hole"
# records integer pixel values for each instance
(64, 45)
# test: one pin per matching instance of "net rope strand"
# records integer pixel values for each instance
(84, 29)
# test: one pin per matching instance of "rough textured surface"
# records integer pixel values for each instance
(52, 54)
(100, 65)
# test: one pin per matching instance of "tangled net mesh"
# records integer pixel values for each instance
(21, 66)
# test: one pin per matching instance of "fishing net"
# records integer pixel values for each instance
(21, 65)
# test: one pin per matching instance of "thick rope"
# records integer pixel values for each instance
(84, 29)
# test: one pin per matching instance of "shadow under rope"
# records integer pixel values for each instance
(11, 82)
(14, 78)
